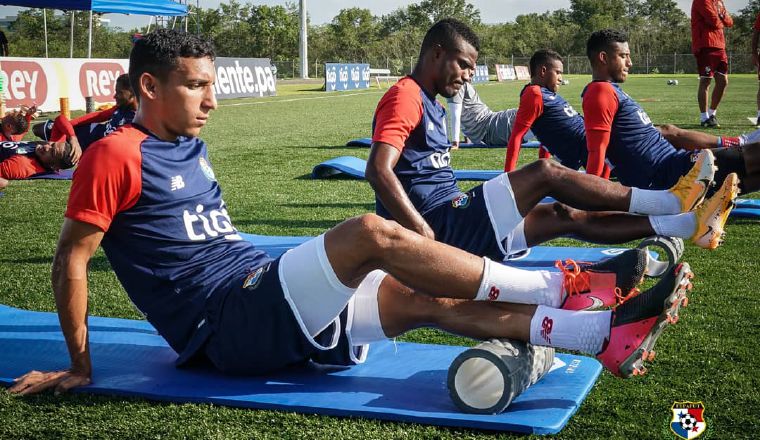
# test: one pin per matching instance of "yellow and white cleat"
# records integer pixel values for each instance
(692, 187)
(713, 213)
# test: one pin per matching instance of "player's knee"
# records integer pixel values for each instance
(541, 167)
(376, 233)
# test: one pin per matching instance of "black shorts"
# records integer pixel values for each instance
(728, 160)
(256, 331)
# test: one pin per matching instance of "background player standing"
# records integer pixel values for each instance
(708, 18)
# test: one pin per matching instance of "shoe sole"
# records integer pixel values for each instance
(633, 365)
(705, 177)
(716, 239)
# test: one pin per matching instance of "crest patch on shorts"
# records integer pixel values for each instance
(253, 279)
(461, 201)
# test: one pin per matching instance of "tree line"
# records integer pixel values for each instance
(355, 34)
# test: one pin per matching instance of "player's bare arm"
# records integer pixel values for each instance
(380, 175)
(76, 245)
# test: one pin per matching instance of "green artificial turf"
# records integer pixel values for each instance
(263, 150)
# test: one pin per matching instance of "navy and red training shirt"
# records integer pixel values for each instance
(414, 123)
(618, 129)
(168, 235)
(555, 123)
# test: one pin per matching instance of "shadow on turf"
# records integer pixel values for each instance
(335, 177)
(337, 147)
(365, 206)
(250, 225)
(97, 263)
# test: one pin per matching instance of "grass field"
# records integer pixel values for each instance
(263, 151)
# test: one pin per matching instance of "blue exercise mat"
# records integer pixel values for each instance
(401, 382)
(745, 208)
(542, 257)
(350, 166)
(367, 142)
(60, 175)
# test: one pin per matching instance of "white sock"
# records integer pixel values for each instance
(703, 116)
(711, 112)
(752, 137)
(510, 284)
(647, 201)
(679, 225)
(570, 329)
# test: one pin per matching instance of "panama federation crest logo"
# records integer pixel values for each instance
(688, 419)
(206, 168)
(461, 201)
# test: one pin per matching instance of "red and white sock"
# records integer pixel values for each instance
(570, 330)
(510, 284)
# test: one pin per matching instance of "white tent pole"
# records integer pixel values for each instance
(71, 37)
(44, 22)
(89, 39)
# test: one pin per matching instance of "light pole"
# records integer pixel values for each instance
(303, 45)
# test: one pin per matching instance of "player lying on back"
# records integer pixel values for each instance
(96, 125)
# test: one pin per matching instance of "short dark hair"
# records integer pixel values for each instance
(601, 41)
(18, 121)
(542, 58)
(445, 34)
(158, 52)
(123, 82)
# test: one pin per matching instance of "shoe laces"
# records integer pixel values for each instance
(620, 298)
(576, 280)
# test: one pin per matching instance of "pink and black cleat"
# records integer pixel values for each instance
(593, 286)
(638, 323)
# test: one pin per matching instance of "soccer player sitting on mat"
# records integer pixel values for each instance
(619, 132)
(15, 124)
(560, 128)
(148, 195)
(409, 169)
(472, 117)
(21, 160)
(93, 126)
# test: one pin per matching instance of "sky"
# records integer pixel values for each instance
(323, 11)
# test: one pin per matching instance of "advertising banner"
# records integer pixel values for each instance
(522, 72)
(505, 72)
(42, 81)
(244, 78)
(341, 77)
(481, 74)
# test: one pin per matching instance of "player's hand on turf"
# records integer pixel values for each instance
(35, 382)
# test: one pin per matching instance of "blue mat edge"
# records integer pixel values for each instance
(366, 142)
(478, 424)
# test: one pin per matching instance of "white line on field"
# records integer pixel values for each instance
(342, 95)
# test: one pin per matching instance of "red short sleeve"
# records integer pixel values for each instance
(95, 117)
(108, 179)
(20, 167)
(398, 113)
(600, 104)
